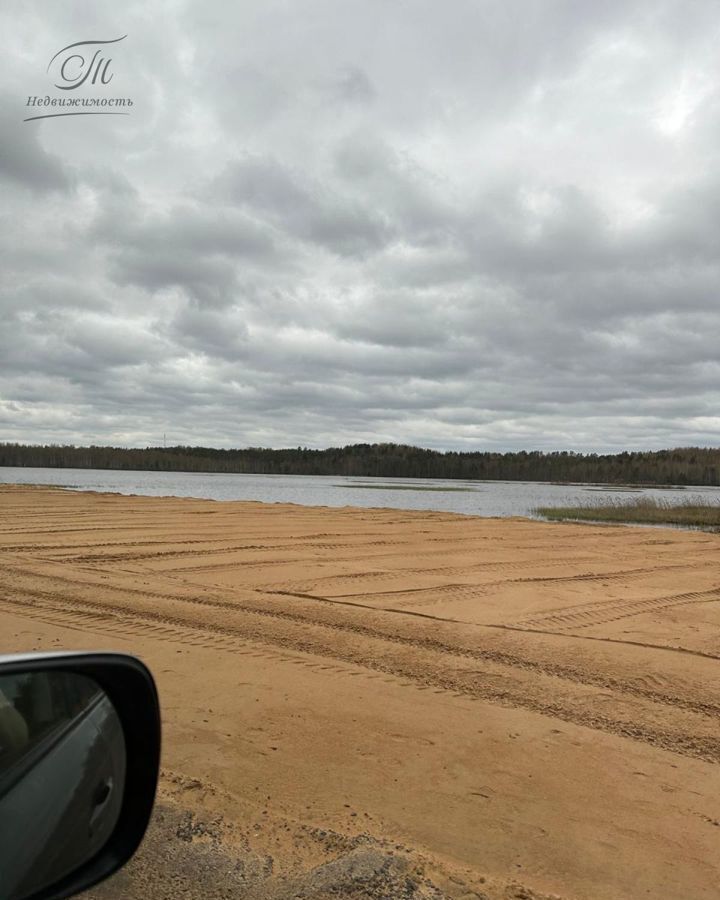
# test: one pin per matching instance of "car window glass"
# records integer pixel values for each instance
(36, 706)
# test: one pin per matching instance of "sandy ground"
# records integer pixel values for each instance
(381, 703)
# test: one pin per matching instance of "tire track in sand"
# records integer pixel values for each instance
(601, 612)
(411, 661)
(352, 618)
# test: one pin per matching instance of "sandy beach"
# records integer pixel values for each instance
(384, 703)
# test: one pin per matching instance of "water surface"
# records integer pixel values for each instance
(474, 498)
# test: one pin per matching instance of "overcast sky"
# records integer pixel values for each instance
(466, 225)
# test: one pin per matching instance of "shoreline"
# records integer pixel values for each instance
(400, 509)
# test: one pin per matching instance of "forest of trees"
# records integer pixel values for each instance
(682, 466)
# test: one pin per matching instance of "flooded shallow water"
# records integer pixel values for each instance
(474, 498)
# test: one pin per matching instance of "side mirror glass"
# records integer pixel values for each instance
(76, 735)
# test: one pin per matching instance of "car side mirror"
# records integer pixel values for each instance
(79, 762)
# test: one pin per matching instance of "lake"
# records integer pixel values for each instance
(473, 498)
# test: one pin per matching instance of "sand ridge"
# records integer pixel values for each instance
(530, 706)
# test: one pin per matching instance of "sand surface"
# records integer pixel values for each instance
(382, 703)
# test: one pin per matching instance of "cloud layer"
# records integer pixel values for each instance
(490, 226)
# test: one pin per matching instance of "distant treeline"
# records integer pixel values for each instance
(684, 466)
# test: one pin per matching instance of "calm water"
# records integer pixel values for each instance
(474, 498)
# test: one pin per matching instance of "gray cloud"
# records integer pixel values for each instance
(23, 159)
(352, 222)
(301, 207)
(353, 86)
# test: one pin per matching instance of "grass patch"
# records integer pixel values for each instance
(697, 512)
